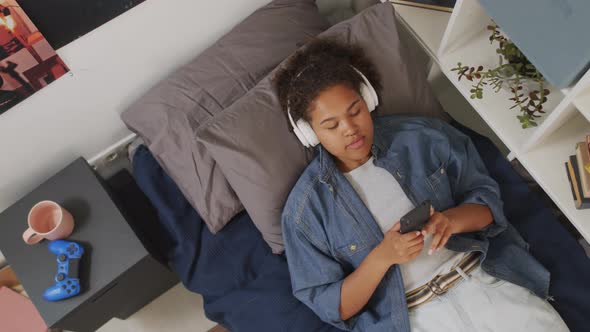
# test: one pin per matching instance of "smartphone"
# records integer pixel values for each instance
(415, 219)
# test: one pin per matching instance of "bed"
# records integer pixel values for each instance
(245, 286)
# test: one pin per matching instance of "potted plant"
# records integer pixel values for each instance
(514, 73)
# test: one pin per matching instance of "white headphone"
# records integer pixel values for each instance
(303, 129)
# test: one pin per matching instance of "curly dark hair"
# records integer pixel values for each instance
(321, 64)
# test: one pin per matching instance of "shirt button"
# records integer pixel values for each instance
(353, 247)
(442, 171)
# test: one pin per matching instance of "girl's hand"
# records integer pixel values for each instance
(441, 227)
(397, 248)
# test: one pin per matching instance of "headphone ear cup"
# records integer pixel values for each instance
(374, 93)
(368, 92)
(300, 136)
(368, 97)
(307, 132)
(303, 131)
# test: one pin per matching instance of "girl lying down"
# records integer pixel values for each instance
(466, 269)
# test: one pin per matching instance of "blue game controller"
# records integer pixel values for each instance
(67, 283)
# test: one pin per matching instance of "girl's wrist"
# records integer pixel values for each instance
(380, 258)
(453, 224)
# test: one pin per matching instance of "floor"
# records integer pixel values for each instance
(177, 310)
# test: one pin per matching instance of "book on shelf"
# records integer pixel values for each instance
(583, 159)
(441, 5)
(573, 176)
(587, 166)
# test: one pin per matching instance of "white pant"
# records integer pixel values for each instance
(485, 303)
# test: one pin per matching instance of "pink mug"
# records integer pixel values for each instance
(48, 220)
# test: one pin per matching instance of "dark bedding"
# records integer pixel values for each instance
(247, 288)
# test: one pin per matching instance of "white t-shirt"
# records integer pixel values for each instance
(386, 200)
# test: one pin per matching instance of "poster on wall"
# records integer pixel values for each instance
(27, 61)
(63, 21)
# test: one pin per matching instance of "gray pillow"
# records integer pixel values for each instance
(168, 116)
(262, 158)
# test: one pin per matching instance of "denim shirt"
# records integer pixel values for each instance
(328, 230)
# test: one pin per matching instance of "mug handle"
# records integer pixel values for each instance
(30, 237)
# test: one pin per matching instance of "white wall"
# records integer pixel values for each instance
(110, 68)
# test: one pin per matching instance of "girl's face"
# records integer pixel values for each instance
(343, 124)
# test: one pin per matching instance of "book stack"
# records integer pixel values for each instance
(578, 173)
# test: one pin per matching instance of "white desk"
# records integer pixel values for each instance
(461, 36)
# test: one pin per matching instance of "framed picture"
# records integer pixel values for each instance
(63, 21)
(27, 61)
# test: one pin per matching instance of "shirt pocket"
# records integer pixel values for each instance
(350, 248)
(348, 243)
(440, 189)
